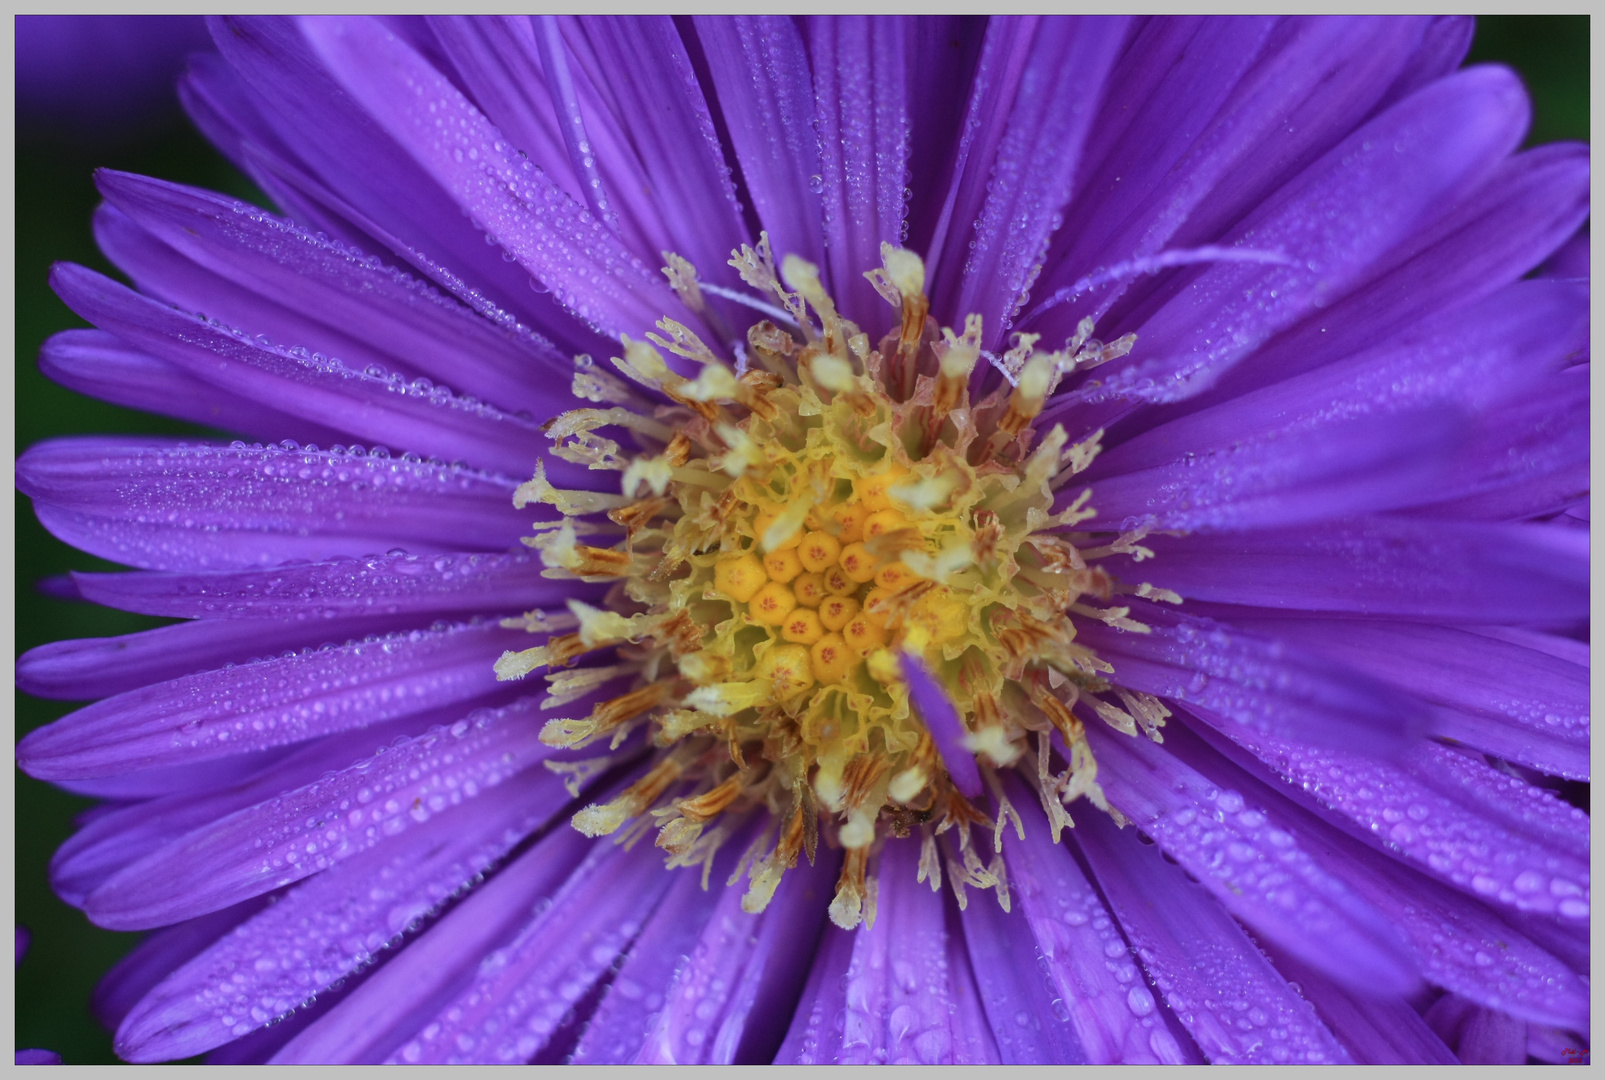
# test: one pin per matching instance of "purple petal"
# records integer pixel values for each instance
(1571, 261)
(861, 118)
(896, 984)
(307, 291)
(1202, 963)
(368, 404)
(1004, 51)
(1060, 85)
(670, 156)
(312, 828)
(1087, 965)
(1374, 1030)
(1538, 699)
(333, 925)
(90, 668)
(37, 1057)
(1147, 163)
(1479, 1036)
(1387, 566)
(1471, 361)
(1454, 817)
(1027, 1014)
(759, 68)
(1478, 248)
(296, 103)
(1526, 460)
(618, 1030)
(383, 585)
(270, 703)
(497, 60)
(553, 238)
(396, 1002)
(942, 720)
(730, 1000)
(524, 991)
(1257, 681)
(1365, 196)
(1443, 47)
(1318, 79)
(1243, 854)
(1347, 466)
(813, 1038)
(1459, 944)
(159, 955)
(176, 506)
(123, 834)
(96, 363)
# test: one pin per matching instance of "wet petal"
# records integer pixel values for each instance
(814, 1038)
(1081, 955)
(1459, 944)
(729, 1002)
(1478, 248)
(1527, 697)
(395, 1002)
(1256, 681)
(524, 991)
(90, 668)
(1350, 466)
(333, 925)
(270, 703)
(181, 506)
(759, 67)
(159, 955)
(383, 585)
(619, 1029)
(1376, 1030)
(124, 834)
(369, 404)
(309, 829)
(1479, 1036)
(309, 136)
(102, 366)
(1027, 1014)
(861, 119)
(1233, 1003)
(250, 268)
(1242, 853)
(1472, 362)
(1386, 178)
(1457, 819)
(552, 237)
(1416, 568)
(1045, 117)
(668, 155)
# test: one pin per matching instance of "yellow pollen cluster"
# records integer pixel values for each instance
(793, 536)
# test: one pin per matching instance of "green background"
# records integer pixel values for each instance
(55, 196)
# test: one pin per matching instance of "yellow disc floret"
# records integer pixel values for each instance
(739, 577)
(771, 604)
(798, 538)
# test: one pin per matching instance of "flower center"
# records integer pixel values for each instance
(843, 592)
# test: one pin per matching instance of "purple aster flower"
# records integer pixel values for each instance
(1079, 554)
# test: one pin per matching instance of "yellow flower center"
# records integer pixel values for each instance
(803, 530)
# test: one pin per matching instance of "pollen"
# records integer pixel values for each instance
(792, 527)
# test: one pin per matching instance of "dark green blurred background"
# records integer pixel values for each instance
(55, 197)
